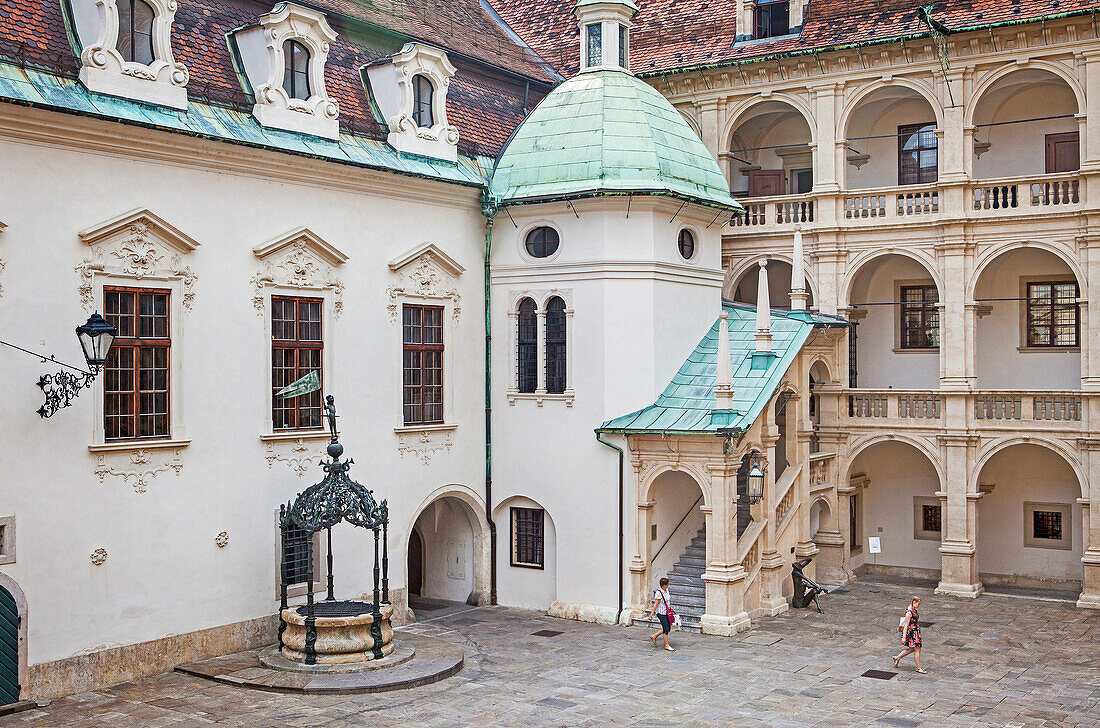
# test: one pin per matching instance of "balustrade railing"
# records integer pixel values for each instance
(786, 210)
(1039, 409)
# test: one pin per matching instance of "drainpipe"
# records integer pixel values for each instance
(599, 439)
(489, 211)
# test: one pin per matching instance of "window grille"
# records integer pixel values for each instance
(527, 355)
(528, 537)
(136, 377)
(297, 348)
(920, 317)
(594, 56)
(422, 335)
(1052, 314)
(931, 518)
(135, 31)
(555, 346)
(1047, 524)
(296, 70)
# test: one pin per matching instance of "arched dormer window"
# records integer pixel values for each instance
(528, 347)
(555, 346)
(295, 70)
(135, 31)
(422, 101)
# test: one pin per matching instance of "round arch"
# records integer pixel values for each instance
(479, 525)
(737, 116)
(1035, 65)
(824, 515)
(819, 359)
(12, 587)
(692, 122)
(1058, 448)
(988, 257)
(696, 476)
(919, 87)
(749, 265)
(857, 264)
(868, 441)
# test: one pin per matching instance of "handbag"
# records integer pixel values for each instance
(673, 617)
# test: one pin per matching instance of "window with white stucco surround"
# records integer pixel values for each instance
(136, 274)
(409, 90)
(126, 49)
(7, 540)
(298, 295)
(284, 61)
(541, 326)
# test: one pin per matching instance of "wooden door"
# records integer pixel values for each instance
(9, 648)
(765, 182)
(416, 563)
(1063, 152)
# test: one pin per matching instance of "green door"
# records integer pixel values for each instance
(9, 648)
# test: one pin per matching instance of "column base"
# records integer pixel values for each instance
(967, 591)
(725, 626)
(1088, 601)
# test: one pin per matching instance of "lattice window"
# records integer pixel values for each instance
(422, 334)
(528, 537)
(136, 377)
(920, 317)
(918, 154)
(555, 346)
(1047, 524)
(297, 348)
(931, 517)
(1052, 314)
(528, 347)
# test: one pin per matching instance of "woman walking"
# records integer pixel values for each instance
(664, 613)
(910, 635)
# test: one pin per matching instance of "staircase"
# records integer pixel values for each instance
(689, 597)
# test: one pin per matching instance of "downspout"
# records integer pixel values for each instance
(599, 439)
(489, 210)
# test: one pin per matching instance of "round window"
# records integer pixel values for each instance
(686, 244)
(542, 242)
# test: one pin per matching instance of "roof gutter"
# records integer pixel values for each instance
(587, 194)
(940, 27)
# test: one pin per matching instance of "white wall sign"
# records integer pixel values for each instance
(874, 545)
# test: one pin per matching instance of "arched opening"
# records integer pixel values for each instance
(13, 640)
(1028, 332)
(770, 152)
(786, 423)
(416, 564)
(555, 345)
(1029, 521)
(1025, 124)
(527, 568)
(527, 347)
(744, 286)
(894, 304)
(454, 546)
(899, 506)
(891, 138)
(819, 375)
(677, 537)
(296, 70)
(820, 517)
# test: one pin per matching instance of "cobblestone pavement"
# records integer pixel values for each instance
(994, 661)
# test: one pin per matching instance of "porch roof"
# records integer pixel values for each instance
(688, 405)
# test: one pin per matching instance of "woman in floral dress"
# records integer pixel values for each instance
(910, 635)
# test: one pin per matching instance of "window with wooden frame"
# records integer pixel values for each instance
(135, 31)
(1063, 152)
(136, 377)
(772, 18)
(920, 317)
(422, 101)
(1053, 315)
(527, 373)
(555, 346)
(296, 70)
(918, 154)
(297, 348)
(528, 537)
(422, 365)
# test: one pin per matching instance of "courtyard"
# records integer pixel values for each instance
(995, 661)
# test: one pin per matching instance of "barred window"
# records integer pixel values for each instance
(296, 70)
(920, 317)
(555, 346)
(297, 348)
(297, 555)
(136, 381)
(918, 154)
(1047, 524)
(527, 355)
(135, 31)
(1052, 314)
(422, 333)
(527, 537)
(931, 517)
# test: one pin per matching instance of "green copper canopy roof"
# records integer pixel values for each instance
(607, 132)
(688, 403)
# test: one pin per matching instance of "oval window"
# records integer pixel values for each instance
(542, 242)
(686, 244)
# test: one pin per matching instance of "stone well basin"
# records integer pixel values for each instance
(343, 632)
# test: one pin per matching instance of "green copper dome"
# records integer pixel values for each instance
(605, 133)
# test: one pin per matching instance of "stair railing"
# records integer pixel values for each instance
(673, 532)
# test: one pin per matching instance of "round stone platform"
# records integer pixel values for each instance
(422, 661)
(400, 653)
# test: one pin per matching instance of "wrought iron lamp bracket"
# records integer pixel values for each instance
(62, 387)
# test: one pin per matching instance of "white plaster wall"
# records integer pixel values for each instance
(522, 586)
(1001, 338)
(1034, 474)
(448, 537)
(164, 574)
(879, 117)
(897, 473)
(1020, 149)
(879, 365)
(779, 285)
(676, 495)
(759, 136)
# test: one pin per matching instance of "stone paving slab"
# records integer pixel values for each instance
(994, 662)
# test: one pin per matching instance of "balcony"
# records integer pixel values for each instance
(1026, 410)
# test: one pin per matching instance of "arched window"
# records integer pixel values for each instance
(527, 335)
(422, 101)
(686, 243)
(296, 70)
(135, 31)
(542, 242)
(555, 346)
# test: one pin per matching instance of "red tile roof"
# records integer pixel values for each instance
(485, 105)
(677, 34)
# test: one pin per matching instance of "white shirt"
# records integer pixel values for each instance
(662, 598)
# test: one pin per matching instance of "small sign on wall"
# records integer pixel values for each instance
(456, 560)
(874, 545)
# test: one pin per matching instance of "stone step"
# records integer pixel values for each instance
(693, 561)
(689, 603)
(697, 552)
(694, 592)
(690, 623)
(689, 569)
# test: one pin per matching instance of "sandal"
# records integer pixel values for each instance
(653, 638)
(896, 660)
(922, 671)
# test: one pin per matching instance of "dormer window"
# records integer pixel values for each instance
(295, 70)
(594, 33)
(126, 49)
(422, 101)
(772, 18)
(135, 31)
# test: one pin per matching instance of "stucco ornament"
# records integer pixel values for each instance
(99, 556)
(299, 259)
(425, 272)
(137, 245)
(103, 68)
(423, 444)
(318, 114)
(142, 467)
(222, 540)
(301, 457)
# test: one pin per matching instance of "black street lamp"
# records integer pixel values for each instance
(61, 388)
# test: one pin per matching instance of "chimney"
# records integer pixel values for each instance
(723, 392)
(763, 311)
(798, 274)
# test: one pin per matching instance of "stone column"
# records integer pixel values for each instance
(1089, 244)
(955, 373)
(724, 576)
(827, 174)
(541, 366)
(639, 563)
(1090, 528)
(958, 546)
(1090, 138)
(844, 493)
(709, 131)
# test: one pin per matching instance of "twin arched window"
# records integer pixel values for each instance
(528, 347)
(422, 101)
(296, 70)
(135, 31)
